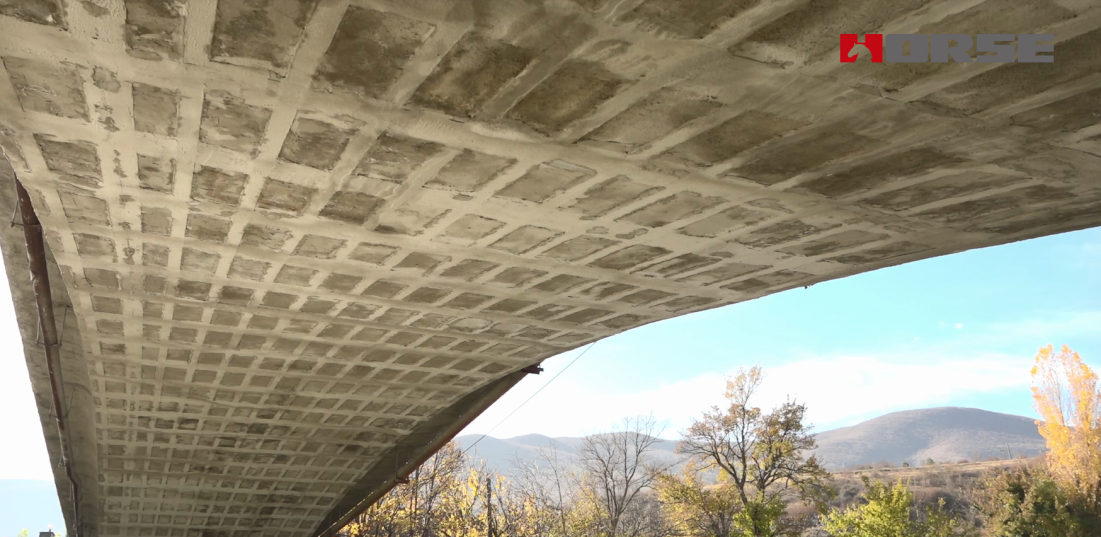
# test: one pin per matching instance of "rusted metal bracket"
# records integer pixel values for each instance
(47, 332)
(532, 369)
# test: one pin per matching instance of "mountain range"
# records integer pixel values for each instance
(945, 434)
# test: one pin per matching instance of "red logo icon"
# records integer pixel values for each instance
(873, 42)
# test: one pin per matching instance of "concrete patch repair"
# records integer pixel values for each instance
(939, 48)
(293, 246)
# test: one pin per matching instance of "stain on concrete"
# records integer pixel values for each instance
(881, 253)
(518, 276)
(351, 207)
(629, 257)
(469, 171)
(652, 118)
(781, 278)
(578, 248)
(318, 246)
(561, 283)
(105, 80)
(1067, 115)
(574, 91)
(266, 237)
(878, 172)
(264, 30)
(207, 228)
(91, 245)
(193, 260)
(369, 51)
(680, 264)
(218, 186)
(154, 29)
(545, 181)
(473, 72)
(229, 122)
(393, 157)
(55, 89)
(315, 143)
(156, 173)
(973, 211)
(422, 262)
(722, 273)
(156, 220)
(671, 209)
(283, 196)
(778, 234)
(728, 220)
(468, 229)
(47, 12)
(1077, 58)
(944, 188)
(375, 254)
(75, 162)
(292, 275)
(608, 195)
(154, 255)
(723, 142)
(787, 162)
(832, 243)
(689, 20)
(525, 239)
(411, 219)
(156, 110)
(469, 269)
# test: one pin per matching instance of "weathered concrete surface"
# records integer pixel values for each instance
(299, 236)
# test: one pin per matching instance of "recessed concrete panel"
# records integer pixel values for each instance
(778, 233)
(878, 172)
(266, 32)
(574, 91)
(231, 123)
(44, 87)
(314, 143)
(47, 12)
(76, 162)
(952, 186)
(782, 279)
(369, 51)
(671, 209)
(545, 181)
(789, 161)
(745, 131)
(393, 157)
(156, 109)
(154, 29)
(218, 186)
(629, 257)
(1066, 115)
(475, 70)
(881, 253)
(469, 171)
(611, 194)
(656, 116)
(831, 243)
(722, 273)
(691, 20)
(525, 239)
(728, 220)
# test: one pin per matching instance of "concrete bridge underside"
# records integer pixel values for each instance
(294, 244)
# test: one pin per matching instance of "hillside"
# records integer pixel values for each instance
(945, 434)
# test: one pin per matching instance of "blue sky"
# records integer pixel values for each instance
(956, 330)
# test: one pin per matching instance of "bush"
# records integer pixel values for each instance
(1026, 501)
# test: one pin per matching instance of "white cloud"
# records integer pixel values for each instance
(959, 326)
(839, 390)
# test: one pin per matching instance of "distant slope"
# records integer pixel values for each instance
(29, 504)
(945, 434)
(501, 454)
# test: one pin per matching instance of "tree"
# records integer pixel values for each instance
(616, 473)
(890, 512)
(1025, 501)
(1067, 396)
(694, 508)
(761, 453)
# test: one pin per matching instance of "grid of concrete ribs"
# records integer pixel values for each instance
(295, 243)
